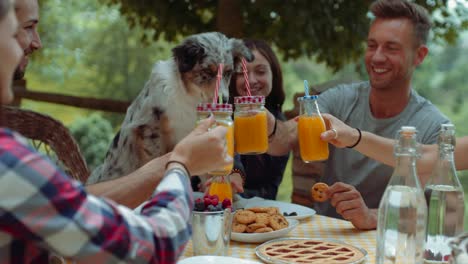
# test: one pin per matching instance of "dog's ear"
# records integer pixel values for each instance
(187, 55)
(239, 50)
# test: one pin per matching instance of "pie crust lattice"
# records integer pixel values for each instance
(310, 251)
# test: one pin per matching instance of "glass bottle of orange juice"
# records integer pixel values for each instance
(223, 116)
(220, 184)
(310, 126)
(250, 125)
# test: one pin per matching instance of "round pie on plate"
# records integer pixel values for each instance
(297, 250)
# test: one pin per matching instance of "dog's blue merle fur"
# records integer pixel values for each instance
(164, 111)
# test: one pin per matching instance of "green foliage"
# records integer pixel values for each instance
(93, 134)
(331, 30)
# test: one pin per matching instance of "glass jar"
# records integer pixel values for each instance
(250, 125)
(309, 127)
(223, 116)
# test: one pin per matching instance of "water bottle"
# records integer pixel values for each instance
(445, 201)
(401, 226)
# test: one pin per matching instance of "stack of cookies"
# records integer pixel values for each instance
(258, 220)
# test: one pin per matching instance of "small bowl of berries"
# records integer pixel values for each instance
(211, 225)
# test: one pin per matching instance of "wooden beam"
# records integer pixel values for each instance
(81, 102)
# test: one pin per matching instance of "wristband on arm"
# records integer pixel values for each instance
(359, 139)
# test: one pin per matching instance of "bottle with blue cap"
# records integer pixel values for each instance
(309, 127)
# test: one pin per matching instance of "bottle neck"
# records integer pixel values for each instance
(445, 172)
(405, 172)
(309, 107)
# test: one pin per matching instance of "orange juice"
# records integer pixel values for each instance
(312, 148)
(223, 116)
(250, 133)
(230, 150)
(221, 187)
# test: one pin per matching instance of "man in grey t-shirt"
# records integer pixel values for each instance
(350, 103)
(396, 45)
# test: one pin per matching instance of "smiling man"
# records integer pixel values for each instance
(396, 45)
(27, 13)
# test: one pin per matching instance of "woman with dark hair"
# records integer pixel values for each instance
(42, 210)
(264, 172)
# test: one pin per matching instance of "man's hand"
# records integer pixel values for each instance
(338, 133)
(349, 204)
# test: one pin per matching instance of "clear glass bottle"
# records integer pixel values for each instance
(445, 200)
(309, 127)
(401, 226)
(220, 183)
(250, 125)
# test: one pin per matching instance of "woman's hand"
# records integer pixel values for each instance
(203, 151)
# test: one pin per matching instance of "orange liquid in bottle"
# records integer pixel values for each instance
(250, 133)
(312, 148)
(230, 151)
(221, 188)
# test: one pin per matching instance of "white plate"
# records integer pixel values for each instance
(302, 211)
(215, 260)
(262, 237)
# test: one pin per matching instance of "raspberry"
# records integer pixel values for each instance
(226, 203)
(207, 201)
(199, 200)
(214, 201)
(214, 196)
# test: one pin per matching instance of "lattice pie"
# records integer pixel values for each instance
(310, 251)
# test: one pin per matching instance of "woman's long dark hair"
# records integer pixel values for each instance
(275, 99)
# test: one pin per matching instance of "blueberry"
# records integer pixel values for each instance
(211, 208)
(199, 206)
(219, 207)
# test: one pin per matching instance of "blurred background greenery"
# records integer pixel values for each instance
(91, 50)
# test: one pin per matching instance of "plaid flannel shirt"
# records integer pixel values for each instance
(42, 210)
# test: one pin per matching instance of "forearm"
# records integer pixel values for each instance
(461, 149)
(159, 234)
(381, 149)
(135, 188)
(372, 219)
(284, 137)
(375, 147)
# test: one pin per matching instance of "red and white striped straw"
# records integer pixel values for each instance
(218, 81)
(246, 76)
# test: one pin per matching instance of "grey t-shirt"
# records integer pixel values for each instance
(350, 104)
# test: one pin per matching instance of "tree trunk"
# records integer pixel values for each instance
(229, 18)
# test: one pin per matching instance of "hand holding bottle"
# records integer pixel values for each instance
(338, 133)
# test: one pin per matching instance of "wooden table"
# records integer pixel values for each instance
(313, 227)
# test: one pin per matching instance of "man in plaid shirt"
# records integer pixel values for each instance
(42, 210)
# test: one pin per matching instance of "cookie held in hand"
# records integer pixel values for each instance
(318, 192)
